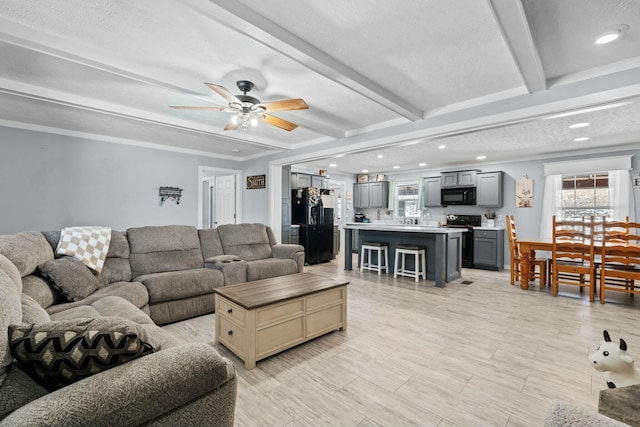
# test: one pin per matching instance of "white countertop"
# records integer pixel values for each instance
(402, 227)
(412, 228)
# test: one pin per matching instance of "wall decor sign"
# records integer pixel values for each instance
(363, 178)
(255, 182)
(524, 193)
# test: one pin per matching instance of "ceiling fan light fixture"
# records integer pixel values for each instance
(254, 122)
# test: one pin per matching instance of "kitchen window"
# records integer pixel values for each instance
(407, 201)
(585, 195)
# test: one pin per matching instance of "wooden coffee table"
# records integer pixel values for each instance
(258, 319)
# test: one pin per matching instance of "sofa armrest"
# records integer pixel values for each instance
(286, 250)
(132, 393)
(289, 251)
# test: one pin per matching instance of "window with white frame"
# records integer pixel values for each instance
(585, 195)
(407, 200)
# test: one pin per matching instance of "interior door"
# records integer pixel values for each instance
(224, 200)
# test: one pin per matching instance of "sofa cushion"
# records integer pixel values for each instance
(57, 354)
(115, 270)
(38, 288)
(32, 312)
(73, 279)
(174, 285)
(164, 248)
(210, 243)
(271, 267)
(10, 309)
(77, 312)
(18, 389)
(26, 250)
(133, 292)
(249, 241)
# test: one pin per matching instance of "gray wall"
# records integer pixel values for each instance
(51, 181)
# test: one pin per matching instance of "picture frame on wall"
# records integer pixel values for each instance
(524, 193)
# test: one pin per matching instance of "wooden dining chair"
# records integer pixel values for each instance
(573, 255)
(620, 258)
(514, 250)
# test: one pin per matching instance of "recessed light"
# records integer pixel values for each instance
(442, 147)
(611, 34)
(365, 170)
(579, 125)
(481, 157)
(396, 167)
(583, 138)
(340, 155)
(332, 165)
(235, 150)
(422, 164)
(380, 156)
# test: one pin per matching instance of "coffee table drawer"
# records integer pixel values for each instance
(232, 336)
(279, 336)
(325, 320)
(230, 310)
(325, 298)
(278, 312)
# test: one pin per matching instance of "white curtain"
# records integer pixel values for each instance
(551, 202)
(621, 197)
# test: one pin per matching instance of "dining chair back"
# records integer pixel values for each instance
(620, 258)
(516, 257)
(573, 255)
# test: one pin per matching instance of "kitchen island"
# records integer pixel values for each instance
(444, 246)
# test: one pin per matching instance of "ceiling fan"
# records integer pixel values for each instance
(248, 110)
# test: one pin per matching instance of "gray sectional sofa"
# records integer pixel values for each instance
(151, 276)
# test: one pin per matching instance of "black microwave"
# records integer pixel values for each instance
(458, 196)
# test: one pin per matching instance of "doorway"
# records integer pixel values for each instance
(219, 200)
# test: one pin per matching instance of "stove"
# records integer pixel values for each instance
(461, 221)
(468, 222)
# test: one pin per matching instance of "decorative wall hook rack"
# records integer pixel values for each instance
(170, 193)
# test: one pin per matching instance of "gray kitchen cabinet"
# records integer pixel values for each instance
(432, 196)
(489, 189)
(488, 249)
(300, 180)
(458, 179)
(319, 182)
(371, 195)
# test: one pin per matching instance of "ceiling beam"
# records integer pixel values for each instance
(512, 20)
(244, 20)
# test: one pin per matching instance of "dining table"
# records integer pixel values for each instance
(528, 250)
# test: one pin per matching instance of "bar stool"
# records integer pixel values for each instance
(368, 247)
(419, 252)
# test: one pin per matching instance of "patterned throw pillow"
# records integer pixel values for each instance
(57, 354)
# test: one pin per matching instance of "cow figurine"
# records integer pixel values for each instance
(613, 358)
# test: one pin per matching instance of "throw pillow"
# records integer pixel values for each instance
(60, 353)
(70, 277)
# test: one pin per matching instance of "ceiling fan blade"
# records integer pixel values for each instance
(182, 107)
(231, 125)
(278, 122)
(285, 105)
(223, 92)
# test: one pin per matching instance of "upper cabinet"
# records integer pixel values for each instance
(458, 179)
(489, 189)
(303, 180)
(371, 195)
(432, 196)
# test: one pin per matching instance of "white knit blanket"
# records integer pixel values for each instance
(87, 244)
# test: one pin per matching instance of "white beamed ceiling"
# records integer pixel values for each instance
(476, 75)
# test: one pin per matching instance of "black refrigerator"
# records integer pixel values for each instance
(316, 223)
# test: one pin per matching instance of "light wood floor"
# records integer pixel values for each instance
(479, 354)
